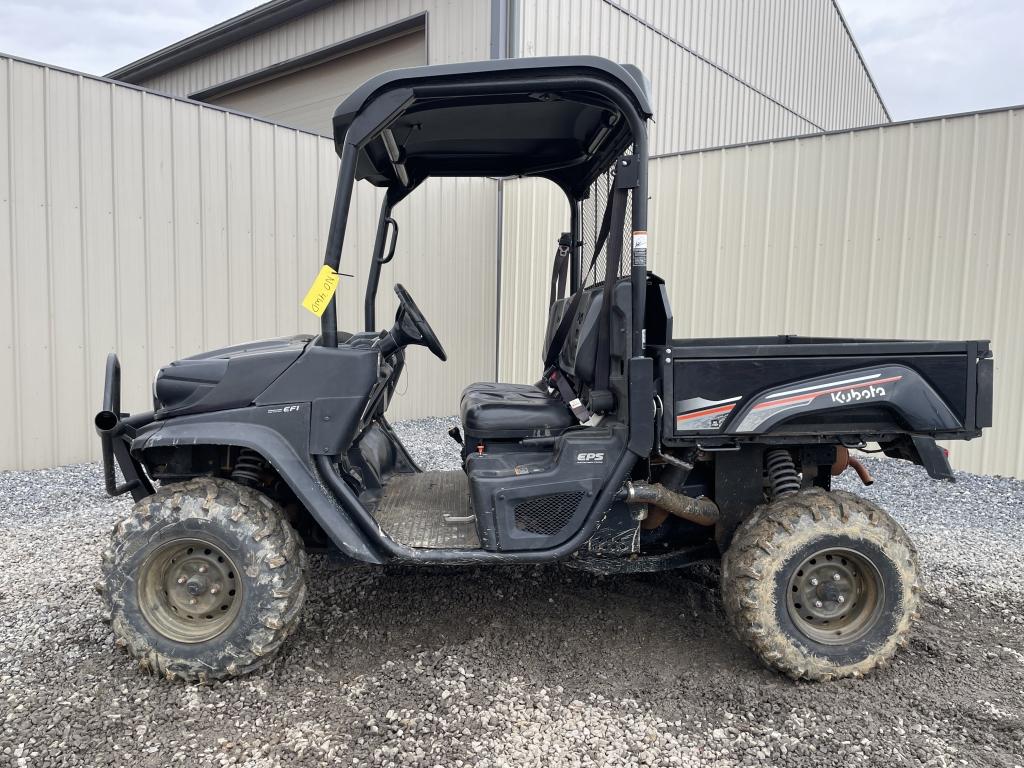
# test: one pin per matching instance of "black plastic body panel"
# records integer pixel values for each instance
(281, 436)
(231, 377)
(711, 387)
(325, 372)
(499, 483)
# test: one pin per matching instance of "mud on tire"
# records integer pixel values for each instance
(764, 579)
(229, 539)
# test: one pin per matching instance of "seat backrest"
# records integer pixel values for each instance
(579, 353)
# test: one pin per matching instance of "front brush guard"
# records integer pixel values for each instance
(116, 431)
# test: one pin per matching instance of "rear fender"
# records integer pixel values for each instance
(282, 443)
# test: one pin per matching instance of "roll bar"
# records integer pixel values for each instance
(385, 108)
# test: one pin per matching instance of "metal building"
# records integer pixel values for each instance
(133, 217)
(723, 71)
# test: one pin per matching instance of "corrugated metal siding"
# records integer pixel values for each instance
(721, 72)
(797, 51)
(307, 99)
(457, 30)
(160, 228)
(907, 231)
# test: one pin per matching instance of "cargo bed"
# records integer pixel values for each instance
(719, 391)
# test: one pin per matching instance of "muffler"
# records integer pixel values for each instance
(702, 511)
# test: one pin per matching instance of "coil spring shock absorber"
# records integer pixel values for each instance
(783, 479)
(249, 468)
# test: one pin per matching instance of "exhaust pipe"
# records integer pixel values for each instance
(702, 511)
(845, 460)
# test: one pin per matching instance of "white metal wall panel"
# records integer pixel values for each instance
(913, 230)
(797, 51)
(721, 72)
(789, 68)
(696, 105)
(457, 30)
(307, 99)
(908, 231)
(159, 228)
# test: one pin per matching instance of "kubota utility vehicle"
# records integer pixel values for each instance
(633, 451)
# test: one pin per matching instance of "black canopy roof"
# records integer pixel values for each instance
(562, 118)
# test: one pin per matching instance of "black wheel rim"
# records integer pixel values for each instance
(835, 596)
(189, 590)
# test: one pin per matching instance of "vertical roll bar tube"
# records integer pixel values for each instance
(638, 272)
(336, 237)
(373, 278)
(575, 254)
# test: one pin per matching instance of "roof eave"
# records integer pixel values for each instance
(251, 22)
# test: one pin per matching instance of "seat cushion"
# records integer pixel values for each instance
(490, 409)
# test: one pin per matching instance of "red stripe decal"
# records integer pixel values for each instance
(705, 412)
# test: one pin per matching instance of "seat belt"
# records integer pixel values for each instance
(553, 375)
(613, 259)
(560, 269)
(568, 395)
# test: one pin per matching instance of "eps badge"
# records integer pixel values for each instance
(590, 457)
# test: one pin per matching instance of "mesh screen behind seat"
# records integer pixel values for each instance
(591, 215)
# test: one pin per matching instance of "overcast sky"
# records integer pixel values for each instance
(927, 56)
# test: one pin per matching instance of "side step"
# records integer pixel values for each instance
(429, 510)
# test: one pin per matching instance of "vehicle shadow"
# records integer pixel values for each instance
(545, 625)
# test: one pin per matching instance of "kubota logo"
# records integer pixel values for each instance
(856, 395)
(592, 457)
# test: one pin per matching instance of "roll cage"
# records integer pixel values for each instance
(566, 119)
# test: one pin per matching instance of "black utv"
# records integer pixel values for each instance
(633, 450)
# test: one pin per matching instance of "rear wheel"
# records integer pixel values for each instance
(821, 585)
(204, 580)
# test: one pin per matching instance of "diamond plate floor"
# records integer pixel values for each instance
(412, 509)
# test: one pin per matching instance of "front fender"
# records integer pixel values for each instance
(242, 428)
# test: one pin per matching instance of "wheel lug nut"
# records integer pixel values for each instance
(202, 569)
(192, 601)
(814, 581)
(214, 590)
(182, 579)
(840, 599)
(836, 577)
(818, 604)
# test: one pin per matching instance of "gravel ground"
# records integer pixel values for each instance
(514, 666)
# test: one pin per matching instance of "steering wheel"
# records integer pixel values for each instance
(413, 327)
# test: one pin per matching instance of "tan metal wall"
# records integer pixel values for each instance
(159, 228)
(913, 230)
(307, 99)
(457, 30)
(722, 71)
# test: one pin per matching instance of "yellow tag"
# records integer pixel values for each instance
(322, 290)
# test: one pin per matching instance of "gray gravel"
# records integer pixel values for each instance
(514, 666)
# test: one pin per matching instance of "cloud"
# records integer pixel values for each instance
(932, 57)
(98, 36)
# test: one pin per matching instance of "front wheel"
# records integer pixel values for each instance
(204, 580)
(821, 585)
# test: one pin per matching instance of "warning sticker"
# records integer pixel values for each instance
(640, 249)
(322, 290)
